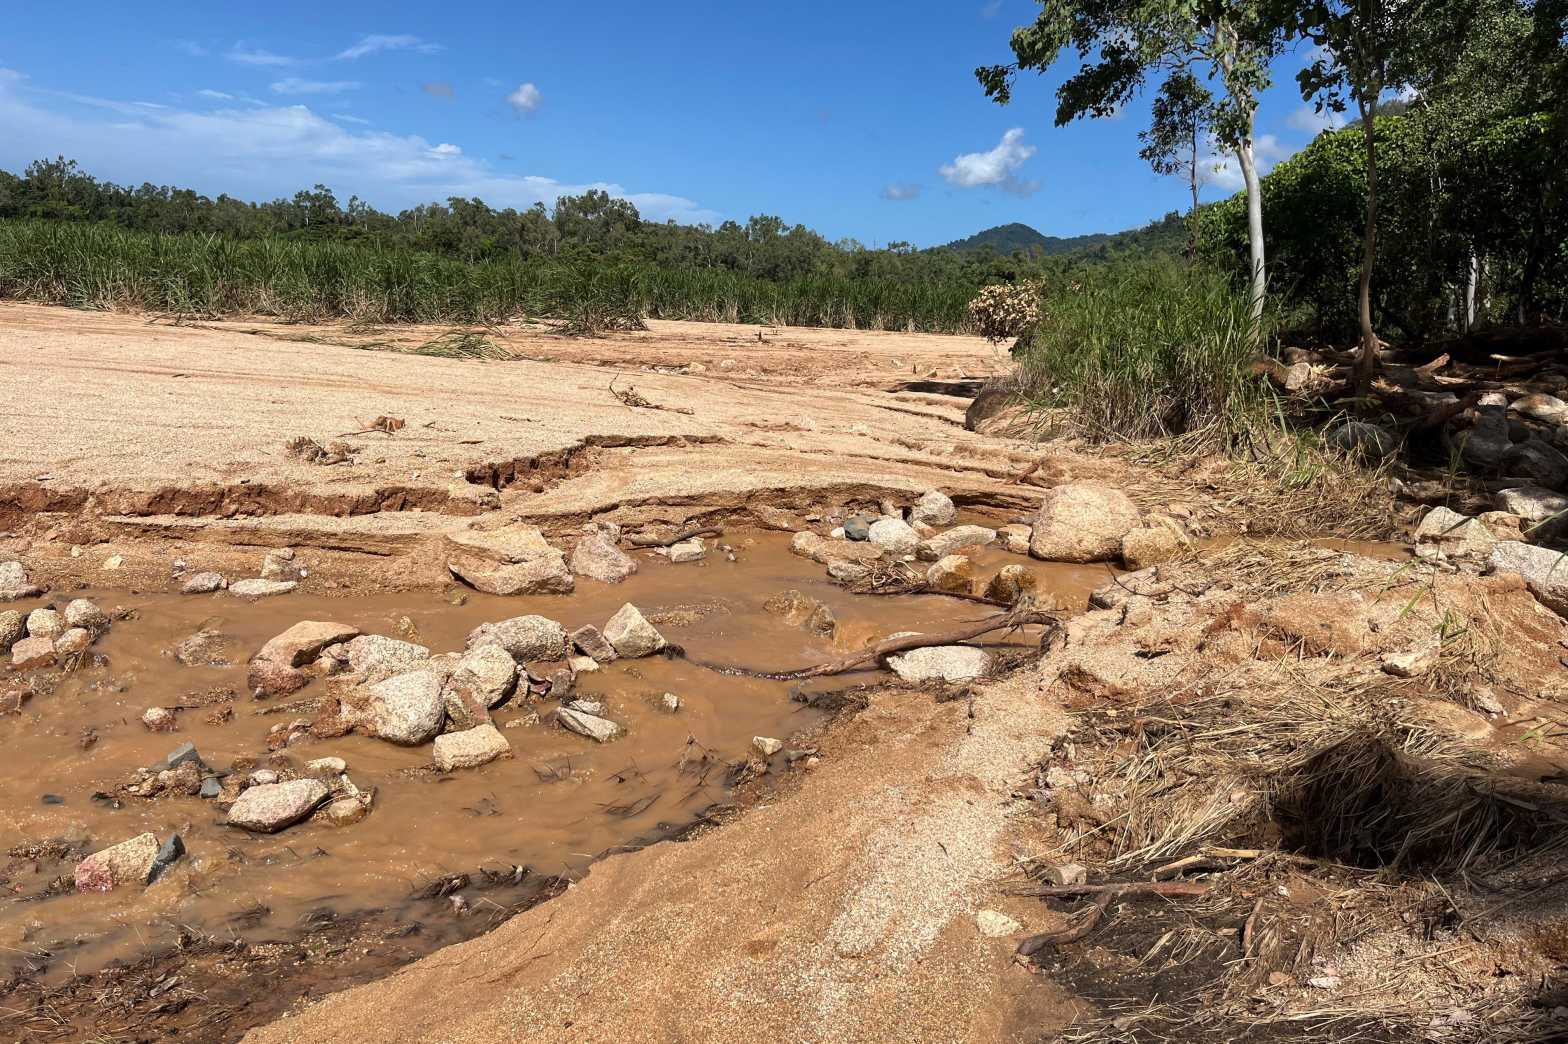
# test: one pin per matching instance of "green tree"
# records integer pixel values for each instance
(1130, 39)
(1170, 144)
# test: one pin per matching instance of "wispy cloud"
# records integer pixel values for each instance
(994, 168)
(991, 9)
(1223, 170)
(901, 191)
(525, 99)
(267, 151)
(206, 92)
(257, 56)
(1311, 120)
(375, 42)
(346, 118)
(438, 89)
(295, 85)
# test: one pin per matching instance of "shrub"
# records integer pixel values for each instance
(1144, 349)
(1004, 311)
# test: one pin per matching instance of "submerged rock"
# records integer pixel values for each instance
(947, 542)
(1011, 583)
(952, 663)
(1015, 538)
(953, 574)
(829, 552)
(261, 588)
(268, 808)
(470, 748)
(129, 862)
(1082, 522)
(767, 746)
(690, 550)
(591, 725)
(631, 634)
(305, 641)
(592, 643)
(205, 648)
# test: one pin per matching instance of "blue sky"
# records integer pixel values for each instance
(860, 119)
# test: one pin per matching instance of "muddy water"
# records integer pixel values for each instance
(558, 803)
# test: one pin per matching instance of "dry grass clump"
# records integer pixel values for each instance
(1266, 568)
(1004, 311)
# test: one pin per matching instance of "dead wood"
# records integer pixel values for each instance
(631, 397)
(685, 534)
(1022, 616)
(1084, 925)
(1169, 889)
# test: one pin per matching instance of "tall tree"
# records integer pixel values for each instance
(1364, 48)
(1121, 42)
(1170, 145)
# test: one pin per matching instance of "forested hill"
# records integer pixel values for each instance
(1169, 233)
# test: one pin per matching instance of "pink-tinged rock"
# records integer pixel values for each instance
(303, 642)
(32, 652)
(129, 862)
(159, 719)
(271, 807)
(272, 678)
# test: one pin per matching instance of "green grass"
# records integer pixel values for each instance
(1145, 350)
(100, 266)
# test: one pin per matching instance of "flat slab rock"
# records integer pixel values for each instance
(261, 588)
(303, 642)
(470, 748)
(952, 663)
(129, 862)
(271, 807)
(594, 727)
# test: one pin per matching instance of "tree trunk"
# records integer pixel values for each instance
(1249, 174)
(1192, 179)
(1367, 363)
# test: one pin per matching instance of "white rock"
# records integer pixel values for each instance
(893, 536)
(596, 556)
(583, 664)
(691, 550)
(1454, 533)
(471, 748)
(377, 657)
(1544, 571)
(631, 634)
(767, 746)
(261, 588)
(934, 508)
(945, 543)
(1410, 664)
(129, 862)
(203, 583)
(591, 725)
(268, 809)
(407, 708)
(525, 637)
(670, 702)
(83, 613)
(1082, 522)
(14, 584)
(45, 623)
(1533, 503)
(940, 663)
(994, 925)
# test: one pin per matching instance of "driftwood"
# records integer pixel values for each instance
(1104, 894)
(631, 397)
(1022, 616)
(685, 534)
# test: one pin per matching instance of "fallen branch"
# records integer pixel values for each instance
(685, 534)
(1086, 924)
(631, 397)
(1022, 616)
(1170, 889)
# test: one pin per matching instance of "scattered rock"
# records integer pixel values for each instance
(597, 557)
(13, 628)
(129, 862)
(825, 551)
(1533, 503)
(470, 748)
(81, 612)
(32, 652)
(169, 853)
(590, 641)
(525, 637)
(940, 663)
(1454, 533)
(407, 709)
(594, 707)
(269, 808)
(1363, 440)
(266, 678)
(631, 634)
(280, 565)
(945, 543)
(591, 725)
(954, 574)
(45, 623)
(848, 572)
(305, 641)
(346, 811)
(326, 768)
(14, 584)
(205, 648)
(203, 583)
(541, 576)
(670, 702)
(767, 746)
(261, 588)
(934, 508)
(691, 550)
(1150, 545)
(994, 925)
(1015, 538)
(1082, 522)
(159, 719)
(857, 527)
(376, 657)
(1410, 664)
(74, 641)
(1011, 583)
(894, 536)
(802, 610)
(210, 788)
(185, 752)
(1544, 571)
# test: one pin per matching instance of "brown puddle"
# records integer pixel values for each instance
(560, 802)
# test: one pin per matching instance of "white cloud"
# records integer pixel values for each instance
(207, 92)
(446, 149)
(375, 42)
(1309, 120)
(1223, 170)
(996, 168)
(268, 151)
(991, 9)
(295, 85)
(525, 99)
(346, 118)
(256, 56)
(901, 191)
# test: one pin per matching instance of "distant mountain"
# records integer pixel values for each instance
(1168, 233)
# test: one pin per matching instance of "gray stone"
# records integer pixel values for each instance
(13, 628)
(1082, 522)
(81, 612)
(894, 536)
(181, 754)
(1548, 409)
(280, 565)
(203, 583)
(271, 807)
(407, 709)
(210, 788)
(1532, 503)
(14, 584)
(169, 853)
(952, 663)
(945, 543)
(1454, 533)
(470, 748)
(377, 657)
(261, 588)
(1544, 571)
(129, 862)
(597, 557)
(206, 648)
(45, 623)
(589, 640)
(1538, 462)
(1015, 538)
(1363, 440)
(631, 634)
(857, 527)
(525, 637)
(934, 508)
(591, 725)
